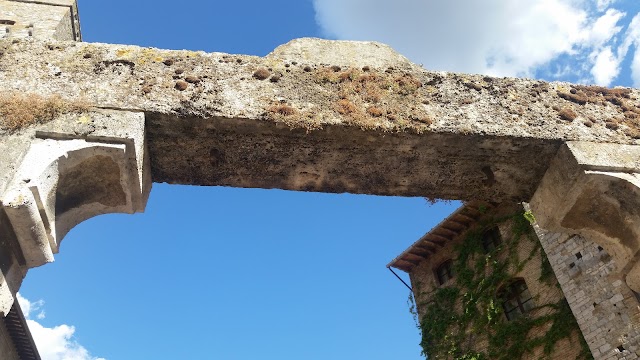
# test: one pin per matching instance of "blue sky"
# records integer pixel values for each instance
(222, 273)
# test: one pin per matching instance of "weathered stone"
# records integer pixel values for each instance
(67, 177)
(314, 115)
(425, 137)
(594, 190)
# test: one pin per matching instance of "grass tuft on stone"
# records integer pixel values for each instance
(18, 110)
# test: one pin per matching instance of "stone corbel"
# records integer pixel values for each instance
(66, 178)
(593, 189)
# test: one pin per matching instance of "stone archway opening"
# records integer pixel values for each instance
(287, 269)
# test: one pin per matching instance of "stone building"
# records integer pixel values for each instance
(606, 309)
(484, 289)
(16, 341)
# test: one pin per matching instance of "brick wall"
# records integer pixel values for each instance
(606, 309)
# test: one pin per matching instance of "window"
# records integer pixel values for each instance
(516, 299)
(491, 239)
(444, 272)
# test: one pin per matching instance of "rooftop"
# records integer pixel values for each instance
(447, 230)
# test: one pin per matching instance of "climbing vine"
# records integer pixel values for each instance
(458, 316)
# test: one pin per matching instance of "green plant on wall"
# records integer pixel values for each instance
(450, 332)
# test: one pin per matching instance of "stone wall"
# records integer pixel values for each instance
(606, 309)
(44, 19)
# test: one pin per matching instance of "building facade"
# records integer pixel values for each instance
(484, 289)
(16, 341)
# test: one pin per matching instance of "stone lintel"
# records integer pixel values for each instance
(339, 159)
(593, 190)
(330, 116)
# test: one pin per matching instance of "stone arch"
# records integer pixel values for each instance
(64, 180)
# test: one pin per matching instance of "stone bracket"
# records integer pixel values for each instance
(66, 178)
(593, 189)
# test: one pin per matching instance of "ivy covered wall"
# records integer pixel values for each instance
(464, 318)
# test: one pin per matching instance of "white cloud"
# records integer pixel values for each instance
(605, 27)
(497, 37)
(633, 36)
(606, 67)
(56, 343)
(635, 69)
(29, 307)
(603, 4)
